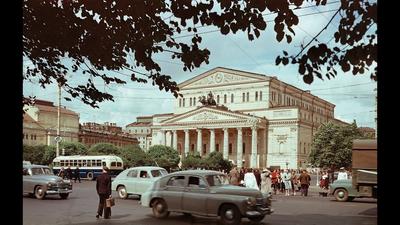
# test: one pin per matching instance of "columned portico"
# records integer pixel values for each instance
(225, 148)
(212, 140)
(168, 137)
(253, 156)
(199, 142)
(239, 148)
(162, 137)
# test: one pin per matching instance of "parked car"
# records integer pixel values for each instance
(203, 192)
(136, 180)
(343, 190)
(40, 181)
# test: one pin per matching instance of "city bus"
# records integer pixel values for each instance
(90, 166)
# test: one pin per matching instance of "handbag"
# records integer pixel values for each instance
(110, 202)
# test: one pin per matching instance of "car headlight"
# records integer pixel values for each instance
(251, 201)
(50, 184)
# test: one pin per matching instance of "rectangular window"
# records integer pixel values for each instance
(217, 99)
(204, 149)
(180, 102)
(256, 95)
(244, 148)
(194, 101)
(192, 148)
(183, 103)
(244, 97)
(260, 95)
(217, 147)
(190, 102)
(231, 98)
(230, 148)
(225, 99)
(34, 137)
(248, 96)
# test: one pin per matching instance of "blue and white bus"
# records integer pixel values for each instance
(90, 166)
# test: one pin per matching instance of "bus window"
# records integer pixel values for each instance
(56, 163)
(119, 164)
(89, 163)
(62, 163)
(113, 164)
(104, 164)
(84, 162)
(74, 162)
(98, 162)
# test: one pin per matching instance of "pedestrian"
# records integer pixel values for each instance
(77, 174)
(304, 182)
(234, 176)
(342, 175)
(250, 180)
(257, 174)
(61, 173)
(274, 180)
(287, 177)
(69, 173)
(266, 182)
(294, 182)
(103, 188)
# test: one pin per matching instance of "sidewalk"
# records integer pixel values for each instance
(313, 191)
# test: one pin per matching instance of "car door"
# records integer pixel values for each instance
(195, 195)
(27, 181)
(173, 192)
(130, 181)
(144, 181)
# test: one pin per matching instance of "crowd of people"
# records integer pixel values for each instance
(277, 181)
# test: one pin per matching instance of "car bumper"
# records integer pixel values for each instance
(261, 211)
(59, 191)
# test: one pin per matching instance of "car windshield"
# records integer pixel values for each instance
(158, 173)
(216, 180)
(41, 171)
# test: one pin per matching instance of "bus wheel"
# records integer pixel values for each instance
(89, 175)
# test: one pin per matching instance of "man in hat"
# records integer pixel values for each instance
(342, 175)
(103, 187)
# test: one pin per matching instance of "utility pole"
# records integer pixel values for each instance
(58, 139)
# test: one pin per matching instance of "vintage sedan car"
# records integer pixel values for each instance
(204, 192)
(343, 190)
(40, 181)
(136, 180)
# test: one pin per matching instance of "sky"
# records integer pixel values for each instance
(354, 96)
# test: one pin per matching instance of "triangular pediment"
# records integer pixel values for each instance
(207, 114)
(221, 77)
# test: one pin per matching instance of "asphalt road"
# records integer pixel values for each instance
(80, 209)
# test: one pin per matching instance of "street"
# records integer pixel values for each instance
(81, 206)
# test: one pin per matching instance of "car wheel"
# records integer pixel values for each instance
(160, 209)
(40, 192)
(122, 192)
(89, 175)
(257, 219)
(230, 215)
(64, 195)
(341, 195)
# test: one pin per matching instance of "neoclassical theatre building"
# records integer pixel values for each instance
(254, 120)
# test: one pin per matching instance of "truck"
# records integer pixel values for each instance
(363, 182)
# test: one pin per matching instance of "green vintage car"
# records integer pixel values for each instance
(343, 190)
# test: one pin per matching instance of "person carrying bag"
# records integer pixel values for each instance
(103, 188)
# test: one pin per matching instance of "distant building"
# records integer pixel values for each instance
(92, 133)
(368, 132)
(254, 120)
(141, 129)
(41, 120)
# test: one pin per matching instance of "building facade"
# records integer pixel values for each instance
(257, 120)
(43, 117)
(141, 129)
(92, 133)
(33, 132)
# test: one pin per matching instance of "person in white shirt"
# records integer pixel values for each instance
(342, 175)
(250, 180)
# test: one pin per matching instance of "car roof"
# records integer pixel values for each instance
(145, 167)
(198, 172)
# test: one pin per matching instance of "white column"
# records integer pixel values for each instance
(175, 140)
(199, 142)
(186, 142)
(212, 140)
(168, 136)
(253, 159)
(239, 148)
(162, 141)
(225, 151)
